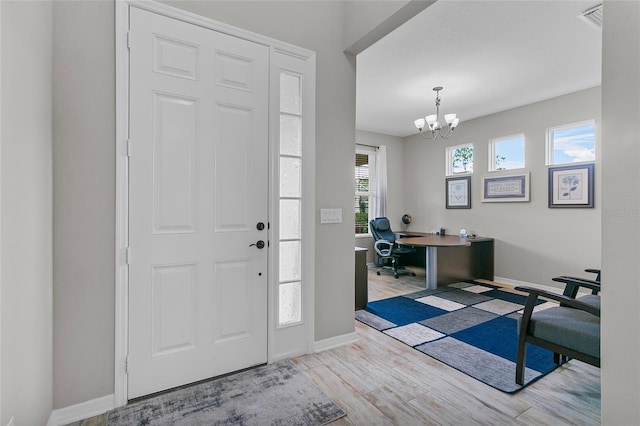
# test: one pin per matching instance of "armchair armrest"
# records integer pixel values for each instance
(383, 248)
(598, 272)
(534, 293)
(574, 283)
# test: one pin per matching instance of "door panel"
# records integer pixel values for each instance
(175, 57)
(234, 141)
(230, 313)
(198, 185)
(175, 165)
(174, 296)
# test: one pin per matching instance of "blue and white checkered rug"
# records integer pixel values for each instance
(470, 326)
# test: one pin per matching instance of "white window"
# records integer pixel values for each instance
(506, 153)
(571, 143)
(365, 188)
(290, 208)
(459, 159)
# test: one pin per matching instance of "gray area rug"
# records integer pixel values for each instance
(470, 326)
(486, 367)
(275, 394)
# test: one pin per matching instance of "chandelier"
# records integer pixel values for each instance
(430, 127)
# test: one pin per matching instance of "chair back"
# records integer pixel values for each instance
(381, 230)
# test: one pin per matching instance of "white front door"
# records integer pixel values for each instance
(198, 192)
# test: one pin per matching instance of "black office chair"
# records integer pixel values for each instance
(386, 247)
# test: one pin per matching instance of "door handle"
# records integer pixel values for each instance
(259, 244)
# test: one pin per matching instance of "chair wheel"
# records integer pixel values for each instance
(395, 275)
(413, 274)
(378, 272)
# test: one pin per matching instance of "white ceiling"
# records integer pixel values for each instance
(489, 56)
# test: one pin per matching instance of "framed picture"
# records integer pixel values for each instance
(458, 192)
(501, 189)
(571, 186)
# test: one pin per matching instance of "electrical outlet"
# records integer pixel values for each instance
(330, 215)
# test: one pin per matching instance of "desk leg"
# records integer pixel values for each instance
(431, 265)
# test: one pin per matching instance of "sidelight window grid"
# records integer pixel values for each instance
(290, 201)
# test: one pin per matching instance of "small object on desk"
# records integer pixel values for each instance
(406, 219)
(463, 232)
(441, 231)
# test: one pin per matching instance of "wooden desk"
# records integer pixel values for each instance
(460, 258)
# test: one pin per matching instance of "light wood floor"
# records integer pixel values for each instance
(380, 381)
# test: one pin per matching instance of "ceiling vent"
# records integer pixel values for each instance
(593, 16)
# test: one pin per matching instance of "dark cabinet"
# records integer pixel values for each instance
(361, 280)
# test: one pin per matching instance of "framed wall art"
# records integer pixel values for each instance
(571, 186)
(500, 189)
(458, 190)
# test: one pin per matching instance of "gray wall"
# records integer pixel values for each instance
(533, 243)
(84, 175)
(621, 213)
(368, 21)
(26, 212)
(359, 16)
(395, 183)
(84, 200)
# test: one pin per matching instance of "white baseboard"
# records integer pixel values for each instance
(288, 355)
(83, 410)
(334, 342)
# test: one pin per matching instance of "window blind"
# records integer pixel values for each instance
(365, 190)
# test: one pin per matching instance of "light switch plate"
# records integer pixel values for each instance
(330, 215)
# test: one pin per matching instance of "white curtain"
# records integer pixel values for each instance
(381, 181)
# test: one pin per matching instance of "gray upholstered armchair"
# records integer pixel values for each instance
(571, 330)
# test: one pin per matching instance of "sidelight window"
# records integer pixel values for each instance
(290, 200)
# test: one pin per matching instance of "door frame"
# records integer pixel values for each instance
(121, 319)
